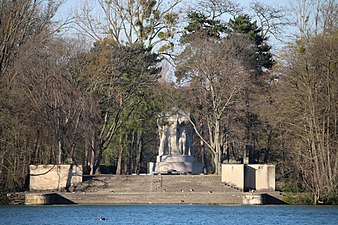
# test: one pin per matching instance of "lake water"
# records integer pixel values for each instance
(168, 214)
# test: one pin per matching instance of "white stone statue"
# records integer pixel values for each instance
(176, 133)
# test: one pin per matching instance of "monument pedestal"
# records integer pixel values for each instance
(176, 150)
(175, 158)
(177, 164)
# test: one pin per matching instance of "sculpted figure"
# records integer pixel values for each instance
(176, 133)
(164, 136)
(186, 135)
(173, 144)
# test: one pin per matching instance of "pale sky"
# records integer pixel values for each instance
(72, 5)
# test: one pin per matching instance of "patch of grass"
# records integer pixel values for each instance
(307, 198)
(298, 198)
(287, 187)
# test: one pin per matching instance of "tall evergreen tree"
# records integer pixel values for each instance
(242, 24)
(202, 24)
(256, 131)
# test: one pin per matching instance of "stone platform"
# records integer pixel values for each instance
(155, 189)
(181, 164)
(152, 189)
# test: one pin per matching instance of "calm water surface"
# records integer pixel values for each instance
(168, 214)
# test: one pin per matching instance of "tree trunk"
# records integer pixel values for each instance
(204, 161)
(92, 156)
(218, 150)
(139, 152)
(60, 156)
(119, 159)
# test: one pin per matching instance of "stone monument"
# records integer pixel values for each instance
(176, 152)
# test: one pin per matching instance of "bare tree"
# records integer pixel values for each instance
(314, 16)
(218, 73)
(21, 21)
(54, 95)
(306, 107)
(25, 26)
(215, 9)
(271, 19)
(151, 24)
(129, 21)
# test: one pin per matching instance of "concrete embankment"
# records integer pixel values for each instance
(151, 189)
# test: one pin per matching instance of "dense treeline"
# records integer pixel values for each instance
(64, 102)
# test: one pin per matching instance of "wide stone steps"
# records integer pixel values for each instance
(153, 189)
(154, 198)
(154, 183)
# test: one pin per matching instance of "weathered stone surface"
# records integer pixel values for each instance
(212, 198)
(175, 158)
(233, 174)
(179, 167)
(54, 177)
(176, 133)
(145, 189)
(39, 199)
(148, 189)
(151, 183)
(176, 152)
(259, 177)
(253, 199)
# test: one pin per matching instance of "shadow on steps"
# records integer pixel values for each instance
(46, 199)
(271, 200)
(58, 199)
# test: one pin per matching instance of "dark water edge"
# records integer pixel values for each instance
(168, 214)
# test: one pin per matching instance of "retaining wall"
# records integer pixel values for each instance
(54, 177)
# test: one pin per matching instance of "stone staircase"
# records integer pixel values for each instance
(154, 198)
(154, 189)
(153, 183)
